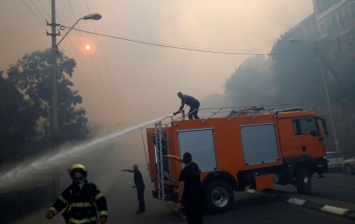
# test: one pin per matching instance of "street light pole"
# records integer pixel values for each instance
(55, 125)
(321, 60)
(54, 79)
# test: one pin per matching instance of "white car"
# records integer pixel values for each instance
(335, 160)
(349, 166)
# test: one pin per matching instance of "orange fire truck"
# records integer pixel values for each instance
(248, 148)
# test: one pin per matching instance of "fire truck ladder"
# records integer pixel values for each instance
(160, 137)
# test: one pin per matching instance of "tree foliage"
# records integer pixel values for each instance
(251, 83)
(296, 72)
(29, 88)
(17, 126)
(292, 75)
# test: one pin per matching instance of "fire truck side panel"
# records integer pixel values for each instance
(229, 152)
(233, 147)
(259, 144)
(200, 143)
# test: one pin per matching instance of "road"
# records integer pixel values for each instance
(335, 185)
(247, 208)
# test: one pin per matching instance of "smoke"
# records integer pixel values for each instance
(45, 162)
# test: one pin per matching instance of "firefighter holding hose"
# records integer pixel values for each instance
(190, 101)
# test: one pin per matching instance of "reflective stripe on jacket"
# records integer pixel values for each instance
(82, 204)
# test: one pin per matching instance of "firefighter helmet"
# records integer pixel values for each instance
(78, 168)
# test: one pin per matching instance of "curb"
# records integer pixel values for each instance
(340, 211)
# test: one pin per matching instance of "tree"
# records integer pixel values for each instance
(296, 72)
(251, 84)
(32, 77)
(298, 78)
(18, 128)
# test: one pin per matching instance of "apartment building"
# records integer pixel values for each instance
(336, 23)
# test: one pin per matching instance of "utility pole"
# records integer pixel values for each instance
(55, 126)
(321, 60)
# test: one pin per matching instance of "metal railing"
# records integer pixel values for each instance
(17, 204)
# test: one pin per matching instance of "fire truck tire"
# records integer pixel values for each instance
(218, 196)
(303, 181)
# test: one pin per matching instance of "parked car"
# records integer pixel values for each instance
(349, 166)
(335, 160)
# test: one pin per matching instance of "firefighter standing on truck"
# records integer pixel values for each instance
(83, 200)
(193, 103)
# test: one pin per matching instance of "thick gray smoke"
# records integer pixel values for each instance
(46, 162)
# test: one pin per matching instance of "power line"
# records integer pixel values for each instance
(104, 92)
(93, 62)
(39, 10)
(34, 14)
(44, 9)
(103, 56)
(185, 48)
(202, 50)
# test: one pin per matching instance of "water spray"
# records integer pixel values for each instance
(12, 176)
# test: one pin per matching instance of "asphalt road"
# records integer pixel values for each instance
(335, 185)
(247, 208)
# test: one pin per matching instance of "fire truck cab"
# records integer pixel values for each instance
(249, 148)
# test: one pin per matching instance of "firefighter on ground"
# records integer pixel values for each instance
(84, 202)
(139, 185)
(190, 192)
(190, 101)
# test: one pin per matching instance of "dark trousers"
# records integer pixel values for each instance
(194, 212)
(193, 111)
(140, 195)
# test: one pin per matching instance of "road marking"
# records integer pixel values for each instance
(343, 185)
(296, 201)
(333, 209)
(182, 216)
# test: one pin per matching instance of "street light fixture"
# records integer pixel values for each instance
(55, 126)
(94, 16)
(321, 60)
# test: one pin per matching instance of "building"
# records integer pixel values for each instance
(336, 23)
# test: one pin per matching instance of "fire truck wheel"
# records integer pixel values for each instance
(303, 181)
(218, 196)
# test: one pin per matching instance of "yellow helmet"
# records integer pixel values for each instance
(78, 168)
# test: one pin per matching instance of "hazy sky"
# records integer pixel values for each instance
(126, 82)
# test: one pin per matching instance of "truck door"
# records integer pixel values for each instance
(259, 144)
(309, 136)
(200, 143)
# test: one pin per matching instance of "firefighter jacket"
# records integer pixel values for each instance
(82, 205)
